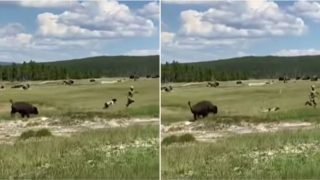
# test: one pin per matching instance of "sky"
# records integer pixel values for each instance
(50, 30)
(198, 30)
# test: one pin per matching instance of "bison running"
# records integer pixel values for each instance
(202, 108)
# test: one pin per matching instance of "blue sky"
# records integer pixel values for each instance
(50, 30)
(197, 30)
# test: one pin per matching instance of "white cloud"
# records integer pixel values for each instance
(12, 36)
(297, 52)
(179, 2)
(95, 19)
(150, 10)
(250, 19)
(143, 52)
(306, 9)
(228, 26)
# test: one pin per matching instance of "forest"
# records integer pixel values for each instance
(92, 67)
(242, 68)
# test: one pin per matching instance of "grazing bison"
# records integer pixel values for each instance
(25, 87)
(306, 78)
(92, 80)
(202, 108)
(2, 87)
(167, 89)
(239, 82)
(24, 108)
(314, 78)
(148, 76)
(214, 84)
(18, 86)
(298, 78)
(68, 82)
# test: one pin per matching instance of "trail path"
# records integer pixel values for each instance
(10, 130)
(201, 133)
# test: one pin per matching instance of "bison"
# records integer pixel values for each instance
(202, 108)
(92, 80)
(24, 108)
(214, 84)
(239, 82)
(306, 78)
(155, 76)
(68, 82)
(314, 78)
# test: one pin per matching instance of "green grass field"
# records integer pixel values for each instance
(117, 153)
(284, 154)
(84, 99)
(241, 101)
(130, 152)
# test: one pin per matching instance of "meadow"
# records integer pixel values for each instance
(129, 151)
(241, 101)
(85, 99)
(280, 154)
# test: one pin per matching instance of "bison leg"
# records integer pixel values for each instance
(22, 114)
(195, 116)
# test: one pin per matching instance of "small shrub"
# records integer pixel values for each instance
(178, 139)
(31, 133)
(43, 132)
(27, 134)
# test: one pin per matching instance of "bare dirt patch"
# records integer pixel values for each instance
(11, 130)
(198, 130)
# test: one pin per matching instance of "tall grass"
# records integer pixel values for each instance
(117, 153)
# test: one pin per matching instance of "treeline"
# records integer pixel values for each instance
(242, 68)
(91, 67)
(40, 71)
(176, 72)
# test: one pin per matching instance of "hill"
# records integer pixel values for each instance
(243, 68)
(91, 67)
(112, 65)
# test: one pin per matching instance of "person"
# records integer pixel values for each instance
(130, 96)
(313, 94)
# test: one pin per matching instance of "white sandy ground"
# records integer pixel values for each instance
(11, 130)
(198, 130)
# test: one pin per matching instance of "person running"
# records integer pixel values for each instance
(130, 96)
(313, 94)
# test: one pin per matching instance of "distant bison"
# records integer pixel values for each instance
(92, 80)
(25, 87)
(2, 87)
(148, 76)
(24, 108)
(314, 78)
(298, 77)
(155, 76)
(306, 78)
(202, 108)
(134, 77)
(68, 82)
(239, 82)
(214, 84)
(167, 89)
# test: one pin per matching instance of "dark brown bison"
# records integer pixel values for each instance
(24, 108)
(239, 82)
(92, 80)
(68, 82)
(298, 78)
(306, 78)
(155, 76)
(214, 84)
(202, 108)
(314, 78)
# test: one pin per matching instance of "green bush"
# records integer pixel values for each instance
(178, 139)
(31, 133)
